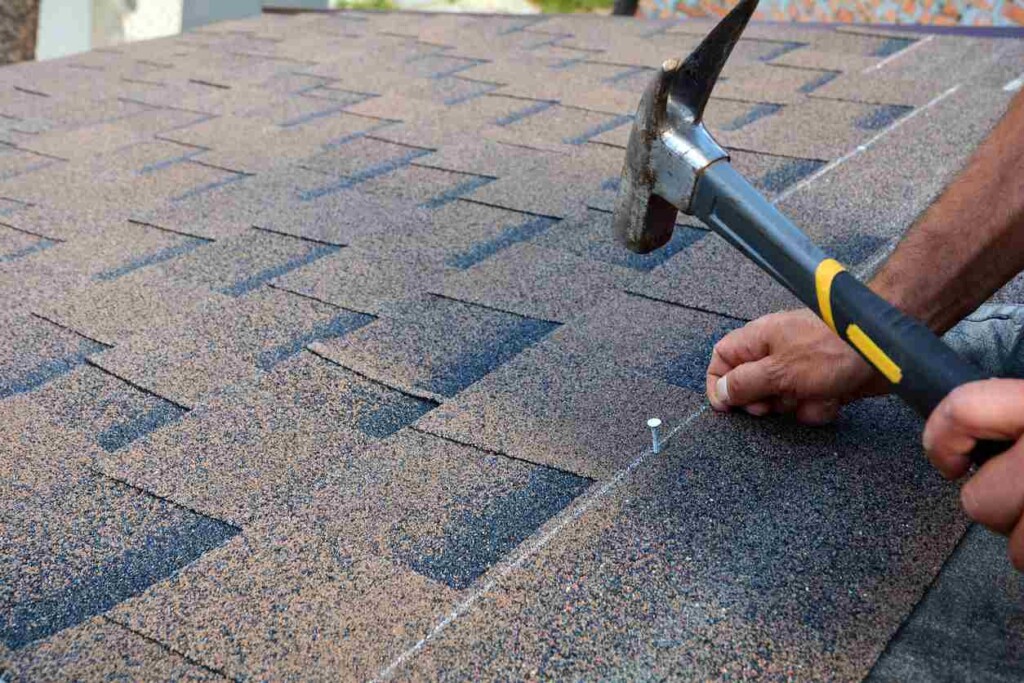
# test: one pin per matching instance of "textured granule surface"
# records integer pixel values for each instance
(318, 360)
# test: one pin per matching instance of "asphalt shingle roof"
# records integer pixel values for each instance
(317, 360)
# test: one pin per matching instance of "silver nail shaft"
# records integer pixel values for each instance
(655, 425)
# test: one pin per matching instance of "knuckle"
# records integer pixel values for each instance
(956, 405)
(778, 376)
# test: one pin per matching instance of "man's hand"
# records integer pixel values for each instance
(787, 362)
(994, 496)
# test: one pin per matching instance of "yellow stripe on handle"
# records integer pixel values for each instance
(875, 355)
(824, 274)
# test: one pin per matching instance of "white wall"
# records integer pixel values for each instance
(65, 27)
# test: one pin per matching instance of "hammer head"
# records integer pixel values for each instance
(669, 146)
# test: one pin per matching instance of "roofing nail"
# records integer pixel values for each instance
(655, 425)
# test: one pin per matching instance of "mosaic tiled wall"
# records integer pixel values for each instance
(937, 12)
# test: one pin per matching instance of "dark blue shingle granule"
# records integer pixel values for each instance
(891, 46)
(882, 117)
(474, 540)
(688, 370)
(508, 336)
(756, 112)
(338, 326)
(47, 370)
(121, 434)
(522, 232)
(818, 81)
(167, 542)
(786, 174)
(257, 280)
(165, 254)
(780, 49)
(382, 412)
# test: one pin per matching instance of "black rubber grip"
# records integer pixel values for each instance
(926, 370)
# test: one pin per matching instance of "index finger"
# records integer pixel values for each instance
(742, 345)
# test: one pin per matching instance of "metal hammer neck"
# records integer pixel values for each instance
(678, 159)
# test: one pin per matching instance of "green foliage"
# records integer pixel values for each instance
(570, 6)
(364, 4)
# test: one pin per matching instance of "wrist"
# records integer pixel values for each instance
(915, 300)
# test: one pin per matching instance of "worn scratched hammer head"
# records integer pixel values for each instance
(669, 146)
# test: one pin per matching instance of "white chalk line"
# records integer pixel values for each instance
(860, 149)
(897, 55)
(1014, 85)
(577, 511)
(571, 515)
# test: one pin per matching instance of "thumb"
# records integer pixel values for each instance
(748, 383)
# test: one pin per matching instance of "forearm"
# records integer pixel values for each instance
(970, 241)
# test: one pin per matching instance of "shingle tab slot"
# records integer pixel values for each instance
(758, 111)
(316, 250)
(883, 116)
(788, 173)
(50, 369)
(339, 326)
(818, 81)
(123, 433)
(519, 233)
(157, 538)
(608, 125)
(476, 539)
(688, 369)
(185, 246)
(369, 173)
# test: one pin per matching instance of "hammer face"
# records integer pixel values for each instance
(666, 154)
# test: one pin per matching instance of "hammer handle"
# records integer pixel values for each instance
(921, 369)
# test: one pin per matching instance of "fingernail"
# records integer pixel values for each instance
(757, 410)
(722, 390)
(926, 440)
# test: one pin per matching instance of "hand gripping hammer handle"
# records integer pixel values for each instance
(920, 367)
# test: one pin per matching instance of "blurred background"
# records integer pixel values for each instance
(44, 29)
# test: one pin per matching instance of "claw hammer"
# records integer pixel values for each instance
(674, 164)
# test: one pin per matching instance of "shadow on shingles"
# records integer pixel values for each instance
(340, 325)
(818, 81)
(882, 117)
(452, 91)
(781, 49)
(48, 369)
(257, 280)
(611, 124)
(474, 540)
(853, 249)
(633, 79)
(121, 434)
(185, 246)
(756, 112)
(509, 339)
(532, 227)
(38, 245)
(382, 413)
(594, 239)
(158, 539)
(448, 196)
(786, 174)
(688, 370)
(891, 46)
